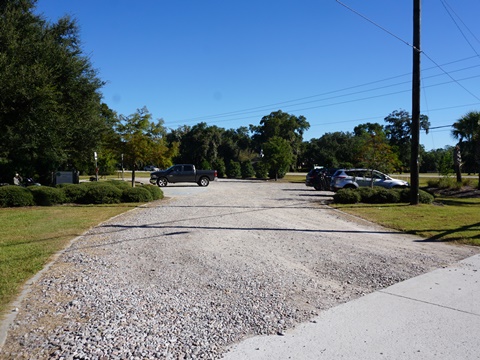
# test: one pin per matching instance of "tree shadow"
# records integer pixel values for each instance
(449, 232)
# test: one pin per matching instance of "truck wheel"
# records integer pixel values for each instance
(203, 181)
(162, 182)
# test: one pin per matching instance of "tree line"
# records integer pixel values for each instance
(52, 118)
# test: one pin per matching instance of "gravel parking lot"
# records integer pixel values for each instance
(184, 277)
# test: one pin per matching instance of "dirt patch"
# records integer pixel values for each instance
(464, 192)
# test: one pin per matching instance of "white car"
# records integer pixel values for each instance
(150, 168)
(354, 178)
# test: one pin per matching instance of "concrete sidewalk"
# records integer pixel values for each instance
(433, 316)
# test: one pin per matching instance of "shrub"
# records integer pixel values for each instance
(205, 165)
(122, 185)
(13, 196)
(424, 197)
(136, 194)
(73, 192)
(219, 165)
(156, 192)
(404, 194)
(449, 183)
(384, 196)
(273, 174)
(366, 194)
(47, 196)
(261, 170)
(233, 169)
(101, 193)
(247, 170)
(347, 196)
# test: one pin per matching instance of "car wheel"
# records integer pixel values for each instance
(317, 187)
(204, 181)
(162, 182)
(349, 187)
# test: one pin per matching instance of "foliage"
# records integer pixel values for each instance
(437, 160)
(347, 196)
(424, 197)
(109, 192)
(467, 130)
(234, 170)
(143, 140)
(261, 170)
(374, 152)
(405, 195)
(14, 196)
(445, 163)
(445, 182)
(136, 194)
(332, 150)
(398, 133)
(155, 191)
(50, 108)
(219, 165)
(378, 195)
(384, 196)
(278, 155)
(74, 193)
(101, 193)
(366, 193)
(247, 170)
(199, 143)
(205, 165)
(47, 196)
(285, 126)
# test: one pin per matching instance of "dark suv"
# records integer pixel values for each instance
(319, 178)
(354, 178)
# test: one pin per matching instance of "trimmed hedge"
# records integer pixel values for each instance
(47, 196)
(108, 192)
(136, 194)
(156, 192)
(347, 196)
(73, 193)
(379, 195)
(101, 193)
(13, 196)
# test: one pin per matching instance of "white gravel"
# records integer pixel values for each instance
(184, 277)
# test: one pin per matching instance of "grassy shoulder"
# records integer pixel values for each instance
(31, 235)
(448, 219)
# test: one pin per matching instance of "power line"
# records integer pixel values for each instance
(408, 44)
(450, 11)
(243, 117)
(374, 23)
(280, 103)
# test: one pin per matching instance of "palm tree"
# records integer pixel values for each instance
(467, 130)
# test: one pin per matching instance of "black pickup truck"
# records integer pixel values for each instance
(183, 173)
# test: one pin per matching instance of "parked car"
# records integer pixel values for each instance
(354, 178)
(150, 168)
(319, 178)
(183, 173)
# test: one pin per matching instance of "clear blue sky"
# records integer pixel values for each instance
(229, 63)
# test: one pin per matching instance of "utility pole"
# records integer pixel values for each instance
(415, 129)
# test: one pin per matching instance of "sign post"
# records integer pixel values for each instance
(96, 167)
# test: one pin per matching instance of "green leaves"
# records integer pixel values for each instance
(50, 102)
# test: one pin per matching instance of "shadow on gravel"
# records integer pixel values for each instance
(172, 230)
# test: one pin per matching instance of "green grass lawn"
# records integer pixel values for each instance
(448, 219)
